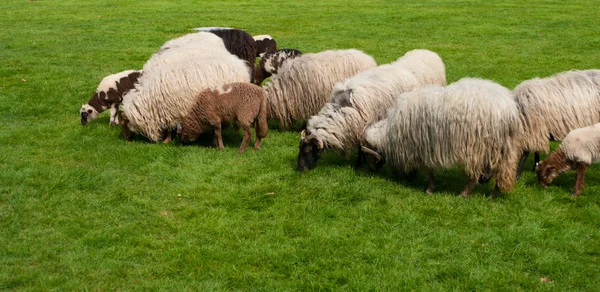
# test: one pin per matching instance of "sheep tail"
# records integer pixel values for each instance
(261, 126)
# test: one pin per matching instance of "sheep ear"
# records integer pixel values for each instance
(371, 152)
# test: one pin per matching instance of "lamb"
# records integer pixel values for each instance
(271, 62)
(553, 106)
(264, 43)
(167, 93)
(109, 94)
(579, 149)
(363, 99)
(474, 123)
(303, 84)
(244, 103)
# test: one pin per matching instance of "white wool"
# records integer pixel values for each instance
(262, 37)
(474, 123)
(303, 84)
(180, 54)
(166, 93)
(199, 39)
(556, 105)
(583, 144)
(364, 98)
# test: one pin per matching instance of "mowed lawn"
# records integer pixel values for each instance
(82, 209)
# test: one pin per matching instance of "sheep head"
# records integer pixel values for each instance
(546, 173)
(88, 113)
(311, 149)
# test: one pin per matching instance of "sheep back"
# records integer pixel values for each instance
(200, 39)
(583, 144)
(303, 84)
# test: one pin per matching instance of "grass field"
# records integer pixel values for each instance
(81, 209)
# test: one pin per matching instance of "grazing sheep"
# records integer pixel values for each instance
(271, 62)
(364, 98)
(109, 94)
(579, 149)
(264, 43)
(474, 123)
(242, 103)
(303, 84)
(553, 106)
(167, 93)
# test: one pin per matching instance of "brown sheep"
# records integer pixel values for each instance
(239, 102)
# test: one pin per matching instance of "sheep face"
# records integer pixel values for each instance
(374, 159)
(546, 173)
(186, 135)
(311, 149)
(88, 113)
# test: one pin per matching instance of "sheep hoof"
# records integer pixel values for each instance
(112, 124)
(464, 195)
(429, 191)
(575, 195)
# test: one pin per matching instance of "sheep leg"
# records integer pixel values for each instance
(468, 188)
(581, 168)
(536, 160)
(218, 136)
(167, 137)
(521, 162)
(258, 138)
(431, 186)
(360, 158)
(114, 117)
(495, 192)
(246, 140)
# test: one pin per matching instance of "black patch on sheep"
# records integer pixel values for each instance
(309, 154)
(265, 45)
(275, 60)
(239, 43)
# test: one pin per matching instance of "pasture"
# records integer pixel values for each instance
(82, 209)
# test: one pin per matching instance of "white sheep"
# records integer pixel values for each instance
(109, 94)
(473, 123)
(303, 84)
(579, 149)
(364, 98)
(200, 39)
(166, 93)
(553, 106)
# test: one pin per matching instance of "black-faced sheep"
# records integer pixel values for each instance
(579, 149)
(303, 84)
(553, 106)
(364, 98)
(242, 103)
(473, 123)
(264, 43)
(271, 62)
(166, 93)
(109, 94)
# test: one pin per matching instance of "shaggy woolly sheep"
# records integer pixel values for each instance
(264, 43)
(303, 84)
(109, 94)
(579, 149)
(554, 106)
(474, 123)
(167, 93)
(244, 103)
(271, 62)
(362, 99)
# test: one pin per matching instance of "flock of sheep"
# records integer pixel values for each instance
(402, 113)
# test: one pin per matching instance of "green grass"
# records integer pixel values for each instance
(81, 209)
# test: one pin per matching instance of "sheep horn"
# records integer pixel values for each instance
(319, 143)
(303, 135)
(371, 151)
